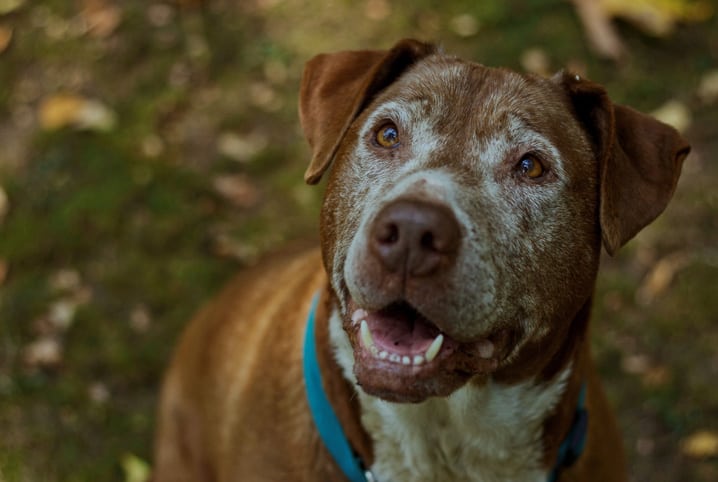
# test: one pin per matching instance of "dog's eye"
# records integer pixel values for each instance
(530, 166)
(388, 135)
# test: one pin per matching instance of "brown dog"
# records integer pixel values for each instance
(460, 238)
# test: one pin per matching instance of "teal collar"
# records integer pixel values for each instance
(332, 434)
(326, 421)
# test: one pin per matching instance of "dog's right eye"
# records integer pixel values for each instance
(388, 135)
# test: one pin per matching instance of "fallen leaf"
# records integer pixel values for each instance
(656, 376)
(241, 148)
(635, 364)
(700, 444)
(674, 113)
(536, 61)
(660, 277)
(658, 17)
(140, 319)
(5, 37)
(7, 6)
(63, 110)
(4, 204)
(708, 88)
(135, 469)
(377, 9)
(237, 189)
(265, 97)
(65, 280)
(44, 352)
(600, 32)
(98, 392)
(465, 25)
(102, 18)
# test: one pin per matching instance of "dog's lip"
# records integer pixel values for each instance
(399, 339)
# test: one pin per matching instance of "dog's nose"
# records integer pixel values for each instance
(416, 237)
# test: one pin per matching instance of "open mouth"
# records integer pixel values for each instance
(400, 355)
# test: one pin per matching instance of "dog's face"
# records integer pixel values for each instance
(463, 217)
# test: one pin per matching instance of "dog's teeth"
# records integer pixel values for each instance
(393, 357)
(366, 336)
(406, 360)
(434, 348)
(486, 349)
(418, 359)
(358, 315)
(383, 354)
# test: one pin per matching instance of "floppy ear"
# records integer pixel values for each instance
(337, 87)
(639, 160)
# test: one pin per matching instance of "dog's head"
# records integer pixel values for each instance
(466, 207)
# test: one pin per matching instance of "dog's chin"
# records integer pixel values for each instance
(401, 356)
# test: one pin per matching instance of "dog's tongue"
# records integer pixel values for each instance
(400, 329)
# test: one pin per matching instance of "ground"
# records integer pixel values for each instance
(151, 149)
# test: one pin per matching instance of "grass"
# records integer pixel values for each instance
(133, 217)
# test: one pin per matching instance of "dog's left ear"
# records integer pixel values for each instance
(639, 157)
(337, 87)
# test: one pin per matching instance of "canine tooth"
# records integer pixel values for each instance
(486, 349)
(393, 357)
(383, 354)
(358, 315)
(406, 360)
(418, 359)
(366, 336)
(434, 348)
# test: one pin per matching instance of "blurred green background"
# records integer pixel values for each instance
(150, 149)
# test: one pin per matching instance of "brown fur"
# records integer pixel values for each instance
(233, 404)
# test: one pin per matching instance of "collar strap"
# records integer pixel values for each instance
(335, 440)
(326, 421)
(575, 441)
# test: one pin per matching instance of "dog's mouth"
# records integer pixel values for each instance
(402, 356)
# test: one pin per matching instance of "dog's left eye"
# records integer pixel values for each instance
(388, 135)
(530, 166)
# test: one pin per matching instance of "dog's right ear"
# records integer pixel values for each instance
(337, 87)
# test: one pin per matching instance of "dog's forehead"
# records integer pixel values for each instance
(459, 95)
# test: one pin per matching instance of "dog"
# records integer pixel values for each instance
(440, 331)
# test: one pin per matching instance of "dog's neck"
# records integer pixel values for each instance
(502, 428)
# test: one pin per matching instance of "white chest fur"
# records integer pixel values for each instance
(490, 433)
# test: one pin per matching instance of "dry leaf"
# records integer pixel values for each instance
(98, 392)
(635, 364)
(377, 9)
(140, 319)
(535, 60)
(660, 277)
(601, 34)
(241, 148)
(5, 37)
(237, 189)
(4, 204)
(63, 110)
(101, 18)
(700, 444)
(465, 25)
(65, 280)
(44, 352)
(674, 113)
(658, 17)
(7, 6)
(708, 88)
